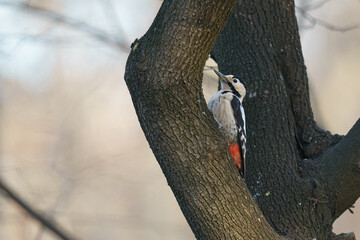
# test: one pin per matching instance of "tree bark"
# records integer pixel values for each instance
(164, 74)
(298, 180)
(260, 43)
(339, 167)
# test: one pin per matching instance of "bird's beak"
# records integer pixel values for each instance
(221, 76)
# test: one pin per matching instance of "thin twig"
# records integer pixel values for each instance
(314, 6)
(74, 23)
(46, 222)
(313, 21)
(337, 28)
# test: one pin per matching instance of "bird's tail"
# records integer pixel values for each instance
(236, 156)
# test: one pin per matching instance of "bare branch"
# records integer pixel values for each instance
(313, 6)
(74, 23)
(46, 222)
(337, 28)
(304, 11)
(340, 166)
(346, 236)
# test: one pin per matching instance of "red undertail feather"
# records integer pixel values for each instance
(236, 155)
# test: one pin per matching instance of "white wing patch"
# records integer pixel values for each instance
(220, 106)
(239, 115)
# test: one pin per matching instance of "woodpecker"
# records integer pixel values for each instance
(226, 106)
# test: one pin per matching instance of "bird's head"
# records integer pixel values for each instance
(231, 83)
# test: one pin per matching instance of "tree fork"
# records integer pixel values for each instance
(164, 74)
(260, 43)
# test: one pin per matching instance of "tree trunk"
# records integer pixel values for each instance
(294, 182)
(300, 179)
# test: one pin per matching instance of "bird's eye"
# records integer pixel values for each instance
(235, 80)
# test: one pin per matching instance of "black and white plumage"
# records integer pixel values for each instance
(226, 106)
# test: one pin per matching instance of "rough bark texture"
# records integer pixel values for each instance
(260, 44)
(300, 188)
(164, 74)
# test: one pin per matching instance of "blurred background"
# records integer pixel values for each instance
(70, 142)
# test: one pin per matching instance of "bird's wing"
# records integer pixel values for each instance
(213, 102)
(213, 105)
(239, 115)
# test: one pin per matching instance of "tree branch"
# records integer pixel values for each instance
(340, 168)
(46, 222)
(282, 132)
(345, 236)
(166, 65)
(164, 74)
(313, 21)
(311, 139)
(97, 33)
